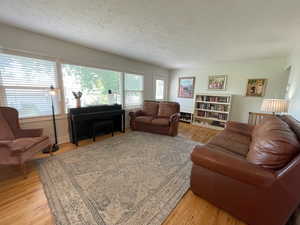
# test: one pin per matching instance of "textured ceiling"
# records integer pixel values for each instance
(170, 33)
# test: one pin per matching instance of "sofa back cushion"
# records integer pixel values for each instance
(273, 144)
(6, 132)
(166, 109)
(150, 108)
(293, 123)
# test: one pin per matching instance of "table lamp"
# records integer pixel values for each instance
(274, 105)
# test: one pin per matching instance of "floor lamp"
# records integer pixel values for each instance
(52, 93)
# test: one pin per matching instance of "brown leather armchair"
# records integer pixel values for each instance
(251, 171)
(156, 117)
(17, 145)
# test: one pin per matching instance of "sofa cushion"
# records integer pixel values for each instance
(273, 144)
(232, 141)
(150, 108)
(6, 132)
(293, 123)
(161, 122)
(217, 148)
(144, 119)
(166, 109)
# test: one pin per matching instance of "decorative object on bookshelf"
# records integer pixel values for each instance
(186, 87)
(217, 82)
(256, 87)
(186, 117)
(212, 109)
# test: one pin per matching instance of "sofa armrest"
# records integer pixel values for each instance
(6, 144)
(12, 147)
(174, 117)
(136, 113)
(238, 127)
(29, 133)
(232, 166)
(16, 150)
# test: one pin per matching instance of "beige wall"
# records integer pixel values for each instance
(17, 39)
(238, 73)
(293, 90)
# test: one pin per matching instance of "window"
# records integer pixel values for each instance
(159, 89)
(134, 90)
(24, 84)
(92, 82)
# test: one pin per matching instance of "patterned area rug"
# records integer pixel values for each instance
(134, 179)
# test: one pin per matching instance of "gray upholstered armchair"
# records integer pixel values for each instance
(17, 145)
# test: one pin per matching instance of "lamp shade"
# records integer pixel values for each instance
(274, 105)
(52, 91)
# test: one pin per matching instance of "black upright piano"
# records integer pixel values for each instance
(81, 120)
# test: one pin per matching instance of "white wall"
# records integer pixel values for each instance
(21, 40)
(273, 69)
(293, 92)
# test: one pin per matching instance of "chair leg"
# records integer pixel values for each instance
(112, 129)
(24, 170)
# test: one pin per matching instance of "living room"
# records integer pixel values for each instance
(136, 112)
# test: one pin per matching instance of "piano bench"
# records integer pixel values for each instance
(102, 124)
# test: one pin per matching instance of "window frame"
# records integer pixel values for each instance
(165, 80)
(62, 114)
(163, 93)
(61, 63)
(3, 99)
(132, 91)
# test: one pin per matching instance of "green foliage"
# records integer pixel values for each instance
(94, 83)
(92, 79)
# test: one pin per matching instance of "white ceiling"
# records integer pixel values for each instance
(169, 33)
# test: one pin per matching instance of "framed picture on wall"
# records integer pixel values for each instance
(186, 87)
(256, 87)
(217, 83)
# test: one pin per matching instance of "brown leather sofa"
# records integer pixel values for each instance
(251, 172)
(156, 117)
(17, 145)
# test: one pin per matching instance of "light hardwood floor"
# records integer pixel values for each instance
(23, 202)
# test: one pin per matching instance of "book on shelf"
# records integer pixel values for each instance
(210, 106)
(218, 116)
(214, 99)
(212, 109)
(185, 116)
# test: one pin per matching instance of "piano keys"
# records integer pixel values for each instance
(82, 119)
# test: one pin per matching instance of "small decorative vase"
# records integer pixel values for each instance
(77, 96)
(78, 102)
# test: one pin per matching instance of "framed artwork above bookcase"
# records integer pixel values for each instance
(212, 109)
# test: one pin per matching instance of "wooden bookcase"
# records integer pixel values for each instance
(212, 109)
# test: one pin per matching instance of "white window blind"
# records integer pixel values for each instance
(24, 84)
(134, 90)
